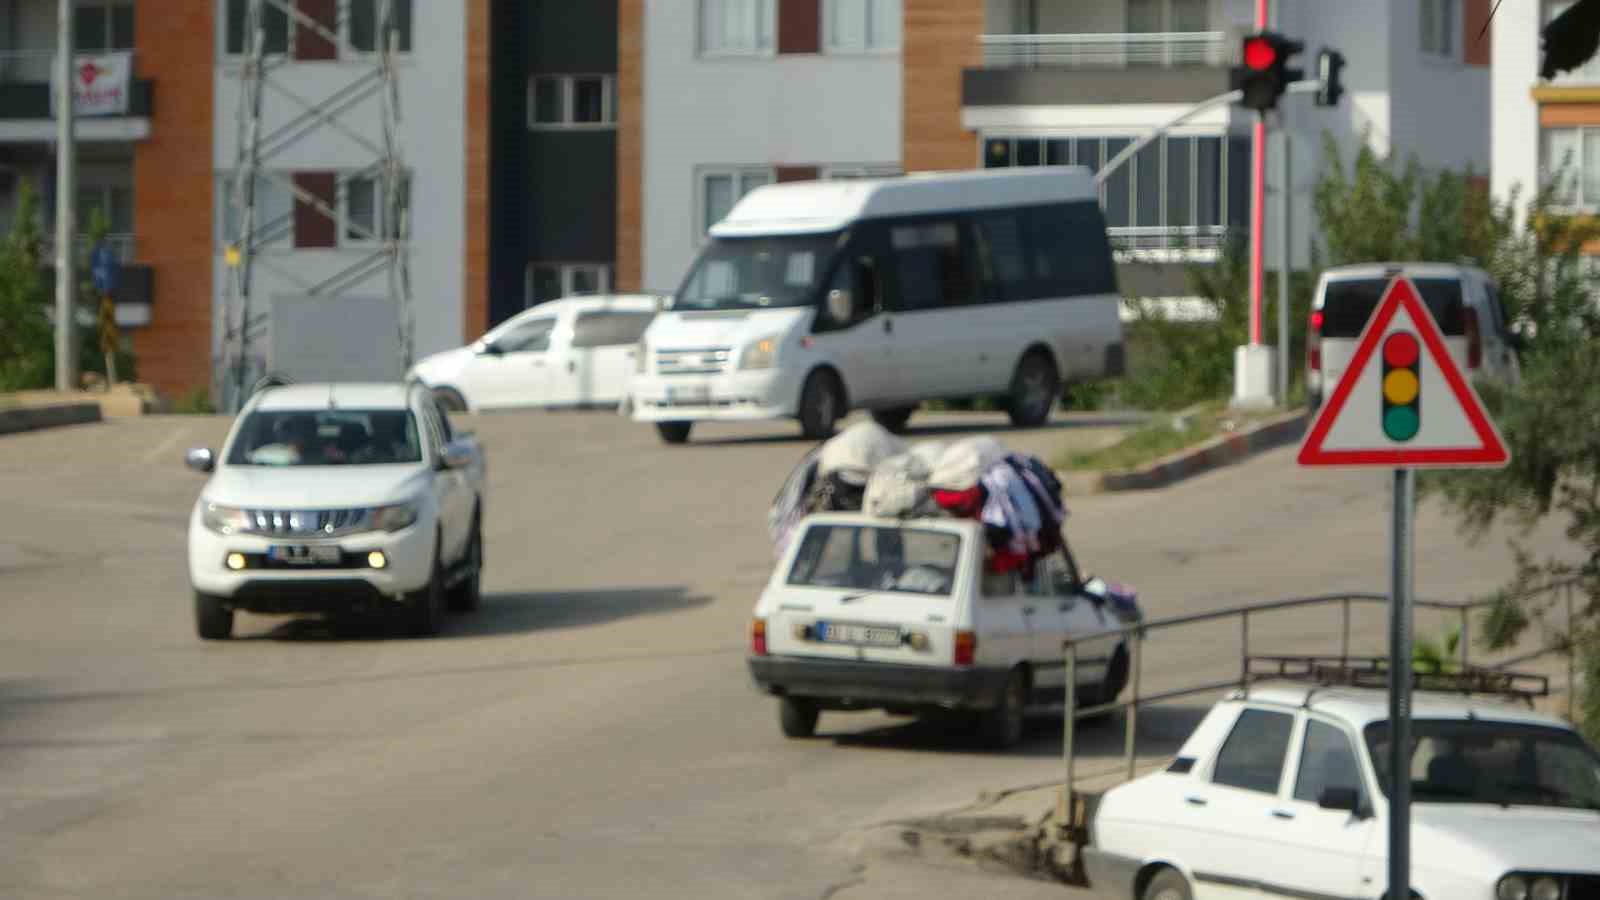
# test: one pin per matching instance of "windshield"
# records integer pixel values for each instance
(870, 558)
(1347, 304)
(331, 437)
(755, 273)
(1473, 761)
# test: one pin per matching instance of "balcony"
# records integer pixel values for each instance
(25, 103)
(1106, 51)
(135, 287)
(1099, 68)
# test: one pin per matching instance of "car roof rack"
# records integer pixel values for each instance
(1373, 672)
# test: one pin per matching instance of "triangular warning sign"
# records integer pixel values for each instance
(1402, 402)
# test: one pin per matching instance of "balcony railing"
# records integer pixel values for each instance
(1159, 239)
(25, 79)
(1106, 51)
(122, 244)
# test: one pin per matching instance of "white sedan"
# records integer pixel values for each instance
(577, 352)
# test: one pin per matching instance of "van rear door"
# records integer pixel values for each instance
(1348, 303)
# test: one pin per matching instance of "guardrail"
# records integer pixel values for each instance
(1106, 51)
(1135, 635)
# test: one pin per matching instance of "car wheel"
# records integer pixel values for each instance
(821, 405)
(894, 419)
(1034, 389)
(1168, 884)
(674, 432)
(213, 621)
(1002, 726)
(798, 717)
(464, 596)
(427, 608)
(450, 399)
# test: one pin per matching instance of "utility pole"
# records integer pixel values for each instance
(1285, 266)
(66, 205)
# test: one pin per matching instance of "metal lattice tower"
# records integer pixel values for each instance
(389, 257)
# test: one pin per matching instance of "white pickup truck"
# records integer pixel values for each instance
(339, 499)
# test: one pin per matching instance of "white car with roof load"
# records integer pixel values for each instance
(900, 615)
(573, 353)
(338, 499)
(1282, 791)
(814, 298)
(1464, 301)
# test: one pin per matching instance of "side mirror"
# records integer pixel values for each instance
(200, 459)
(458, 454)
(1344, 799)
(490, 348)
(841, 307)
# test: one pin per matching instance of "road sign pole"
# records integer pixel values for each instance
(66, 204)
(1400, 686)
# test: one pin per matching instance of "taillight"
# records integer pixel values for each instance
(1474, 340)
(1314, 342)
(1316, 320)
(758, 637)
(966, 648)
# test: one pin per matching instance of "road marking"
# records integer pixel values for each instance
(165, 445)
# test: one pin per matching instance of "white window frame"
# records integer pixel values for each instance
(1583, 203)
(568, 86)
(842, 172)
(1430, 45)
(379, 210)
(271, 182)
(602, 270)
(738, 173)
(830, 10)
(767, 9)
(346, 50)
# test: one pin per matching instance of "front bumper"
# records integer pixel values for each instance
(868, 685)
(270, 589)
(736, 396)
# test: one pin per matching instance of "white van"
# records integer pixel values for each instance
(868, 613)
(814, 298)
(576, 352)
(1464, 301)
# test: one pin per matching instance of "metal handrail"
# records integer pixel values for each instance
(1134, 635)
(1106, 50)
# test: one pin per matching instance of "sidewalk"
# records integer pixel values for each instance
(32, 410)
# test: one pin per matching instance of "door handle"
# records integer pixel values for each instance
(888, 326)
(1282, 814)
(1195, 801)
(571, 366)
(1027, 610)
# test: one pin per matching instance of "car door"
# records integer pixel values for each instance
(1002, 620)
(601, 361)
(513, 368)
(1063, 612)
(450, 489)
(1500, 351)
(1228, 816)
(1322, 850)
(863, 347)
(932, 303)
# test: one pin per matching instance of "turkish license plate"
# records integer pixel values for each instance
(862, 635)
(305, 554)
(689, 394)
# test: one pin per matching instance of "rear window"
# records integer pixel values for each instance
(1348, 304)
(872, 558)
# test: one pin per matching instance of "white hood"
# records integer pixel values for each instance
(443, 367)
(1535, 838)
(679, 330)
(315, 487)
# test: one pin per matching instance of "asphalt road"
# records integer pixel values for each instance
(591, 732)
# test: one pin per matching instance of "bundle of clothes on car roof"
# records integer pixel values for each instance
(866, 469)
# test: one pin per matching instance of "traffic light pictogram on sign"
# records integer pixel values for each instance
(1402, 386)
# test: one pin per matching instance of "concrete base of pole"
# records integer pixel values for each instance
(1254, 376)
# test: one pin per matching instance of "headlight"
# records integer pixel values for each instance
(395, 517)
(1512, 887)
(1546, 889)
(760, 354)
(224, 519)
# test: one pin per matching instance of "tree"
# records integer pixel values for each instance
(27, 353)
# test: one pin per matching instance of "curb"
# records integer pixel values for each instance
(1222, 450)
(33, 418)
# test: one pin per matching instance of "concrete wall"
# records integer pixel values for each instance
(804, 110)
(1445, 102)
(1513, 114)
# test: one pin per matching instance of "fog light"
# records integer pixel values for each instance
(236, 561)
(1546, 889)
(1512, 887)
(377, 560)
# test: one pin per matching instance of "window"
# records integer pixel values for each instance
(366, 215)
(1002, 255)
(1347, 304)
(359, 27)
(850, 173)
(552, 281)
(928, 266)
(736, 27)
(528, 336)
(113, 201)
(1252, 757)
(893, 560)
(274, 24)
(1157, 16)
(720, 189)
(1571, 160)
(609, 328)
(859, 26)
(572, 101)
(101, 26)
(362, 32)
(1589, 71)
(758, 273)
(274, 211)
(1327, 760)
(1483, 761)
(326, 438)
(1439, 24)
(1069, 251)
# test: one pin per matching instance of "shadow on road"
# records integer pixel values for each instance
(1162, 730)
(508, 613)
(940, 428)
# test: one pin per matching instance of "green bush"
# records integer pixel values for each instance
(27, 351)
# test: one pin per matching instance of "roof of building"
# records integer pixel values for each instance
(1362, 706)
(349, 395)
(810, 207)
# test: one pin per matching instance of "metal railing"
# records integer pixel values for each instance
(1135, 635)
(36, 66)
(1157, 238)
(123, 244)
(1106, 51)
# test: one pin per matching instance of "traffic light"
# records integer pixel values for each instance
(1263, 73)
(1330, 65)
(1402, 386)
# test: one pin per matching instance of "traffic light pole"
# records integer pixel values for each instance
(66, 205)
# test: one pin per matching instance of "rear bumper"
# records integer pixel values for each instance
(869, 685)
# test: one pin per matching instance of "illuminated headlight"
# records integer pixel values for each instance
(1546, 889)
(225, 519)
(395, 517)
(761, 354)
(377, 560)
(1512, 887)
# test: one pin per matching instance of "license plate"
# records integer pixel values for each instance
(864, 635)
(305, 555)
(694, 393)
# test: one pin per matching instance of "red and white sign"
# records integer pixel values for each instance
(1403, 402)
(100, 85)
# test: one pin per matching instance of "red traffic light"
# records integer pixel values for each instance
(1259, 54)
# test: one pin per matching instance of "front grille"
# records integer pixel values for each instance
(307, 522)
(1583, 887)
(705, 361)
(346, 561)
(321, 596)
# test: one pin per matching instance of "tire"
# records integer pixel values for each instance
(1116, 677)
(464, 597)
(425, 617)
(798, 718)
(450, 399)
(1168, 884)
(1002, 726)
(674, 432)
(821, 405)
(1034, 390)
(894, 419)
(213, 621)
